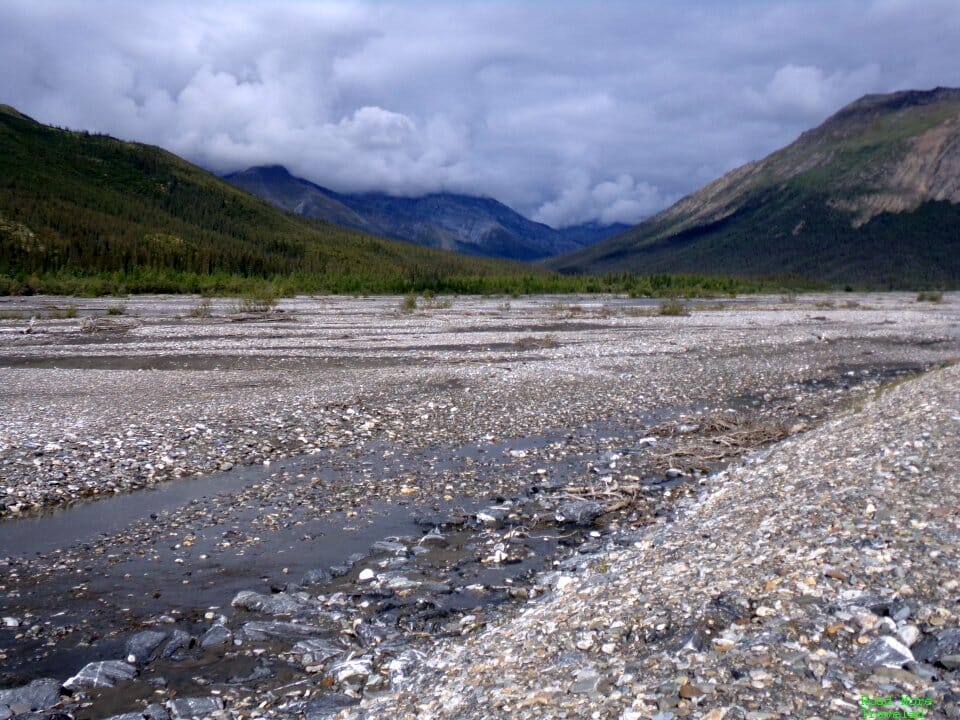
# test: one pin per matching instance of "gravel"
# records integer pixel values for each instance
(785, 570)
(554, 463)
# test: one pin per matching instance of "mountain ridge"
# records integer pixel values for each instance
(473, 225)
(881, 174)
(77, 205)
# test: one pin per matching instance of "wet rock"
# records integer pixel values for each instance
(315, 577)
(155, 711)
(388, 547)
(103, 674)
(265, 631)
(197, 707)
(263, 671)
(351, 671)
(441, 521)
(340, 569)
(579, 512)
(885, 651)
(38, 695)
(142, 647)
(216, 636)
(495, 515)
(371, 635)
(328, 706)
(313, 653)
(278, 604)
(405, 664)
(179, 640)
(434, 539)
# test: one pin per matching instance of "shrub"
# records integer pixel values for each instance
(933, 296)
(258, 300)
(116, 310)
(409, 303)
(202, 309)
(672, 306)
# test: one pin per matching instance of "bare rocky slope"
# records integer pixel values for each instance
(818, 580)
(869, 195)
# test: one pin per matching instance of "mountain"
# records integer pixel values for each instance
(869, 197)
(77, 204)
(462, 223)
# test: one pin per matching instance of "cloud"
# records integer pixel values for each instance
(585, 111)
(622, 200)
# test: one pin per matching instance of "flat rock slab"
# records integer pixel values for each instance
(327, 707)
(315, 652)
(142, 647)
(199, 707)
(103, 674)
(886, 651)
(38, 695)
(279, 604)
(263, 631)
(579, 512)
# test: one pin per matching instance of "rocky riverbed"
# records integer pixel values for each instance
(215, 512)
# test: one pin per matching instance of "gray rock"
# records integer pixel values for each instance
(585, 681)
(278, 604)
(127, 716)
(352, 670)
(179, 640)
(388, 547)
(886, 651)
(38, 695)
(216, 636)
(404, 664)
(579, 512)
(371, 635)
(199, 707)
(101, 674)
(950, 662)
(328, 706)
(932, 648)
(434, 539)
(441, 521)
(315, 651)
(143, 646)
(493, 515)
(155, 711)
(263, 671)
(315, 577)
(340, 570)
(265, 631)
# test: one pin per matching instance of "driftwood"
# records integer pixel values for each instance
(696, 445)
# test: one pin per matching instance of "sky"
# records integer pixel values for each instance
(569, 111)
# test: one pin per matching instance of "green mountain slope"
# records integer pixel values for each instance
(870, 197)
(77, 204)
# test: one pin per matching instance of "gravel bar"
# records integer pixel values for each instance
(819, 579)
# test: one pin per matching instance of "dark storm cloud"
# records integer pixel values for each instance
(569, 111)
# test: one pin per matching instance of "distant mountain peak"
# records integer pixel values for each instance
(474, 225)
